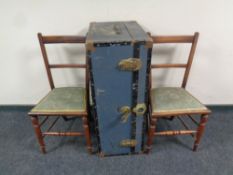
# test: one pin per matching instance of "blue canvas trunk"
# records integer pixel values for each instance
(119, 55)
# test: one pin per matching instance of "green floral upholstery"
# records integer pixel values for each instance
(172, 99)
(67, 99)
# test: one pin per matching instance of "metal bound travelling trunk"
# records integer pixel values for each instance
(119, 55)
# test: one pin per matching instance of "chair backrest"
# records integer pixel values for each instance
(60, 40)
(192, 39)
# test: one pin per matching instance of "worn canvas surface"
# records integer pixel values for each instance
(114, 88)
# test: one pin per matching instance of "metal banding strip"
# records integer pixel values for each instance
(134, 95)
(93, 108)
(149, 53)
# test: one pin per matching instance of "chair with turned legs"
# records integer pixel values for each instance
(63, 102)
(176, 102)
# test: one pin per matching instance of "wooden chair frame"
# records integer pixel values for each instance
(197, 134)
(43, 40)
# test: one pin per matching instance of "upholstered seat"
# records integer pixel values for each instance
(66, 99)
(172, 99)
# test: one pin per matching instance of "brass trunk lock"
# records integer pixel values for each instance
(130, 64)
(139, 109)
(125, 111)
(128, 143)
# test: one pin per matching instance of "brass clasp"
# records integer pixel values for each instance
(139, 109)
(130, 64)
(128, 143)
(125, 111)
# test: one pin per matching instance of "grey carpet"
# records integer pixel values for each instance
(19, 151)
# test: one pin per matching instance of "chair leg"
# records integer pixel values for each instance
(200, 131)
(87, 134)
(150, 135)
(35, 123)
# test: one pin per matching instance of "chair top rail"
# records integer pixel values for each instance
(173, 39)
(168, 66)
(53, 39)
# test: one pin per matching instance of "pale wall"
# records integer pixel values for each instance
(23, 77)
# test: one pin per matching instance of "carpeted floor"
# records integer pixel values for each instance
(19, 151)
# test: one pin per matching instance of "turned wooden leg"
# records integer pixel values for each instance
(35, 123)
(150, 134)
(87, 134)
(200, 131)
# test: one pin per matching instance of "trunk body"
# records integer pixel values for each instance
(119, 54)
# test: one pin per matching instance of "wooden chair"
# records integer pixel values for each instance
(170, 102)
(61, 102)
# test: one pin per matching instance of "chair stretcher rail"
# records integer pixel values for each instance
(67, 66)
(185, 125)
(63, 134)
(177, 132)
